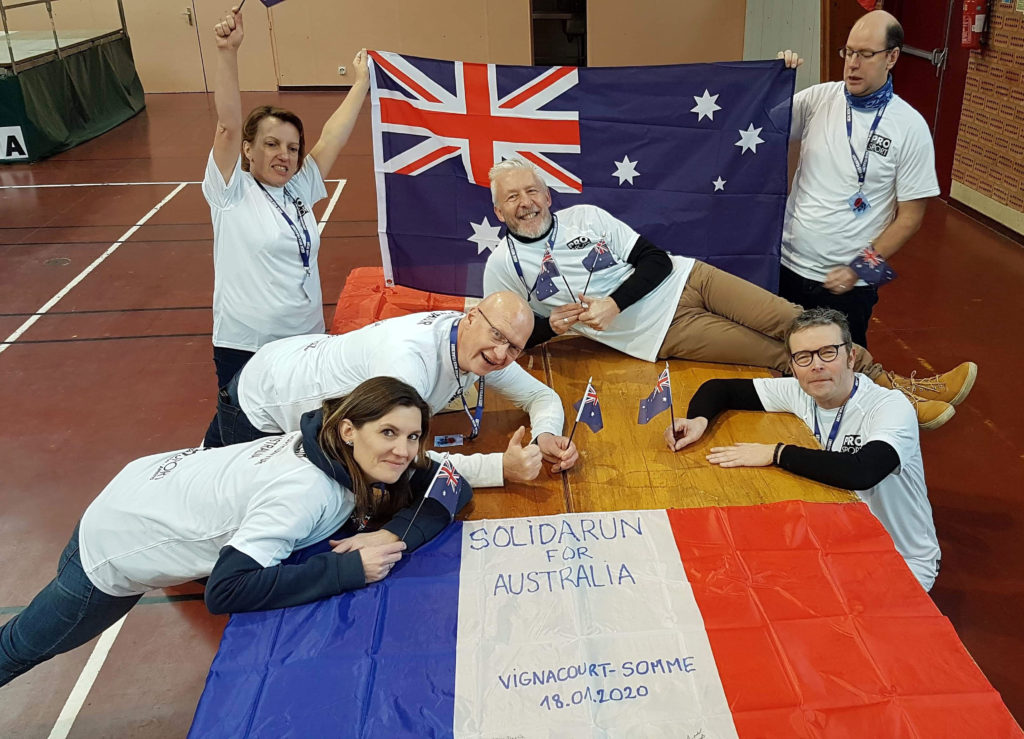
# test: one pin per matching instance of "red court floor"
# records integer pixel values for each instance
(120, 366)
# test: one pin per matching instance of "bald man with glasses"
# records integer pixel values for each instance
(867, 434)
(441, 354)
(866, 171)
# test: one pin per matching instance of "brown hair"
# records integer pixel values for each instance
(820, 317)
(252, 124)
(369, 401)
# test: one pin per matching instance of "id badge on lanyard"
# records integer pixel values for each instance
(303, 239)
(475, 417)
(858, 201)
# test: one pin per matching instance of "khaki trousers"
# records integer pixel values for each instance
(723, 318)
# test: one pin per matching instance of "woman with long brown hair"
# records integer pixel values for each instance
(233, 514)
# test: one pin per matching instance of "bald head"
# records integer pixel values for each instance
(883, 26)
(510, 314)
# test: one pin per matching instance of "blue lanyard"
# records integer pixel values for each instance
(861, 165)
(835, 424)
(305, 247)
(475, 417)
(550, 247)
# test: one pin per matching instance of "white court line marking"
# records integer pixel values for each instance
(76, 700)
(330, 206)
(82, 275)
(106, 184)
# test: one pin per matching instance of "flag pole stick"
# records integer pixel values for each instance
(424, 498)
(579, 413)
(588, 282)
(240, 6)
(413, 519)
(671, 410)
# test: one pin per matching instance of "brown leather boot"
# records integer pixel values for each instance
(950, 387)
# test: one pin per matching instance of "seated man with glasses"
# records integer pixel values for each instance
(866, 171)
(868, 433)
(441, 354)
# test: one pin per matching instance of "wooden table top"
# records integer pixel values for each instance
(628, 466)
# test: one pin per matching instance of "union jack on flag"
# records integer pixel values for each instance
(872, 267)
(626, 139)
(446, 477)
(600, 257)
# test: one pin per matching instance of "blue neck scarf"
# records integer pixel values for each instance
(875, 100)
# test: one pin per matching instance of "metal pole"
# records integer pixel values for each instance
(53, 28)
(7, 36)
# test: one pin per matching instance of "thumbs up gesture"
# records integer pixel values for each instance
(521, 463)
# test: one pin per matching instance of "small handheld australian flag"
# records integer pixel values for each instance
(659, 400)
(545, 286)
(588, 410)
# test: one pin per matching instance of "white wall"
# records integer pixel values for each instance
(773, 25)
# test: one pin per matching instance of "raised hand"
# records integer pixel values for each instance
(791, 58)
(229, 31)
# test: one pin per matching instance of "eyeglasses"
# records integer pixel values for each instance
(827, 353)
(845, 52)
(499, 338)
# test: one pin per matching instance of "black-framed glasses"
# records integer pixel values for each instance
(828, 353)
(845, 52)
(500, 338)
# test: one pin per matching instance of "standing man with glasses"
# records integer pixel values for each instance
(441, 354)
(868, 434)
(866, 171)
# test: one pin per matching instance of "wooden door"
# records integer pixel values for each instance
(165, 43)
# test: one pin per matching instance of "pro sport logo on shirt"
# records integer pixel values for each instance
(851, 443)
(171, 462)
(879, 145)
(580, 242)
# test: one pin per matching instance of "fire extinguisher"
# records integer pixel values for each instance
(975, 15)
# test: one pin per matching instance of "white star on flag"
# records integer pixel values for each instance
(625, 170)
(485, 236)
(749, 139)
(705, 107)
(719, 184)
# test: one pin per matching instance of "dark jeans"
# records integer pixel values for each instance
(229, 362)
(66, 614)
(856, 304)
(234, 425)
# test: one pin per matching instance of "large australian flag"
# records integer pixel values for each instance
(693, 157)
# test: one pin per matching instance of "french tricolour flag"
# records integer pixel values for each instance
(790, 619)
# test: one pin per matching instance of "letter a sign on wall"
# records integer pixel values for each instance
(12, 143)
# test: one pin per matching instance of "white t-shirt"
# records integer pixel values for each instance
(640, 329)
(821, 231)
(289, 377)
(164, 518)
(260, 288)
(874, 413)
